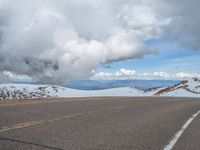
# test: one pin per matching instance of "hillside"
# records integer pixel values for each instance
(29, 91)
(187, 88)
(184, 88)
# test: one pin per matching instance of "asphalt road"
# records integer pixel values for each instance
(117, 123)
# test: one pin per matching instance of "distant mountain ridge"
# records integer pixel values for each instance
(107, 84)
(187, 88)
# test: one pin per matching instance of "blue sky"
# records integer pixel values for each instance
(171, 58)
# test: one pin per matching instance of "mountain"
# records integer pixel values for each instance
(107, 84)
(184, 88)
(189, 88)
(30, 91)
(27, 91)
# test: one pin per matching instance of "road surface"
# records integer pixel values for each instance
(104, 123)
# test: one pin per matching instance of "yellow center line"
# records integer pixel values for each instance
(39, 122)
(44, 121)
(29, 103)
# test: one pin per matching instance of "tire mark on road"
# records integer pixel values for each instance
(30, 143)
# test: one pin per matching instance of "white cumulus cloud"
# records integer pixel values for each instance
(132, 74)
(56, 41)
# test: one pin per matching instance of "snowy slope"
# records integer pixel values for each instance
(125, 91)
(189, 88)
(27, 91)
(23, 91)
(180, 93)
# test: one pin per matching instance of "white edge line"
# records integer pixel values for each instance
(180, 132)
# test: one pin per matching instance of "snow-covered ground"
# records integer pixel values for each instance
(18, 91)
(190, 88)
(187, 88)
(180, 93)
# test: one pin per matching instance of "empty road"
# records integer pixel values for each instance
(104, 123)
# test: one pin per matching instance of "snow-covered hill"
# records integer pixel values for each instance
(29, 91)
(189, 88)
(26, 91)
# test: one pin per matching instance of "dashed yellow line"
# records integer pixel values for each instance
(39, 122)
(29, 102)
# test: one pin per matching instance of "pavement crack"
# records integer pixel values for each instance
(30, 143)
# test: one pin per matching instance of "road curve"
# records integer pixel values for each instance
(100, 123)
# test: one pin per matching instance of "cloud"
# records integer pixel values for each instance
(132, 74)
(55, 41)
(5, 77)
(52, 41)
(125, 73)
(185, 20)
(186, 75)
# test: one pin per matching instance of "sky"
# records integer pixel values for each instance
(172, 59)
(55, 42)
